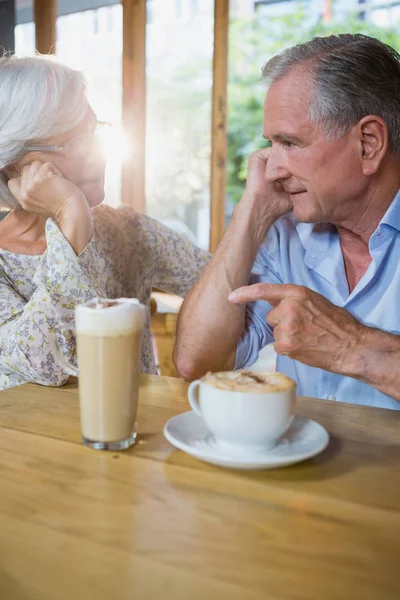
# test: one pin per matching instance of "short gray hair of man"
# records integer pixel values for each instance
(353, 75)
(39, 98)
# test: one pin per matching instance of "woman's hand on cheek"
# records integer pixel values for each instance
(41, 189)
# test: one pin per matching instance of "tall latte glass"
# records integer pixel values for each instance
(109, 337)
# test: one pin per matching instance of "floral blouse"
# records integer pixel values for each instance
(128, 255)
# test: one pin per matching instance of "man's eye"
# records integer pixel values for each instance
(287, 144)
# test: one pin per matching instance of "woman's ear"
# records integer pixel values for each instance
(11, 171)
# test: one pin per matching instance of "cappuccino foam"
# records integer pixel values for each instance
(103, 317)
(249, 381)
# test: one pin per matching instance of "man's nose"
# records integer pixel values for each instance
(275, 170)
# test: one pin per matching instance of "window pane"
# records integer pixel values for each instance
(91, 41)
(25, 29)
(179, 84)
(257, 34)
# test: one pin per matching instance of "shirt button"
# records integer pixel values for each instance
(331, 397)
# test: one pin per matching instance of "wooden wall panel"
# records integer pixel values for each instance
(134, 101)
(45, 16)
(219, 133)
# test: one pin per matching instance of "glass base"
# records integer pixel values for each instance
(113, 446)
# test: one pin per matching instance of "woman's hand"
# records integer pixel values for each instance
(41, 189)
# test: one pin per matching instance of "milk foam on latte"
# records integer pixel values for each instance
(249, 381)
(108, 317)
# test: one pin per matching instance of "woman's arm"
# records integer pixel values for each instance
(177, 263)
(174, 263)
(62, 280)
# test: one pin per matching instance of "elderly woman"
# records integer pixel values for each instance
(59, 246)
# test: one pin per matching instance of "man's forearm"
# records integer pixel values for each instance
(375, 359)
(209, 326)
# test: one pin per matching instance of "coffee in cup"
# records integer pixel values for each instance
(245, 411)
(109, 337)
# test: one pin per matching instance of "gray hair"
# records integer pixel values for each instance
(353, 76)
(39, 98)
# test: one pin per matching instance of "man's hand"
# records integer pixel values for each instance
(41, 189)
(265, 196)
(307, 326)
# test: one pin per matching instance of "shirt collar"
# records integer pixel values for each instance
(392, 215)
(316, 236)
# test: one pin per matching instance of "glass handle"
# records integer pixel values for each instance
(60, 359)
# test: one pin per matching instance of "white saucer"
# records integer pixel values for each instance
(304, 439)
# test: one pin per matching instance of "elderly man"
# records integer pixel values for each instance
(311, 259)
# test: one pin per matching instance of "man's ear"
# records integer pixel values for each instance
(374, 143)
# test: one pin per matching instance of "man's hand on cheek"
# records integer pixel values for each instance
(307, 326)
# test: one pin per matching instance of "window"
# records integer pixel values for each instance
(194, 6)
(97, 51)
(178, 104)
(178, 9)
(179, 47)
(25, 29)
(150, 11)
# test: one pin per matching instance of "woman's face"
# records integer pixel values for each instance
(86, 170)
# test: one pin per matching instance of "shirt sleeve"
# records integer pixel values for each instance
(257, 333)
(61, 281)
(177, 263)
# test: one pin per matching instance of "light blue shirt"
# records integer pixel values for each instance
(310, 255)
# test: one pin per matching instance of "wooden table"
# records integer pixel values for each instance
(152, 522)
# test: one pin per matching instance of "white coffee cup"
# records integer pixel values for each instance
(245, 421)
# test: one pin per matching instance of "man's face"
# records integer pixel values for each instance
(324, 178)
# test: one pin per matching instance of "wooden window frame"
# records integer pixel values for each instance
(45, 17)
